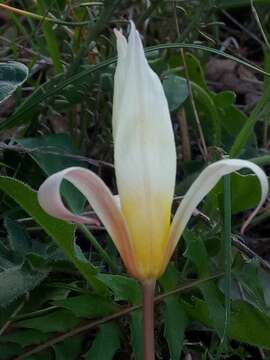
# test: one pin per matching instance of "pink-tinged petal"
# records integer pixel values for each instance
(101, 200)
(201, 187)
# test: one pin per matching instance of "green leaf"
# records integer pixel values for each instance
(197, 253)
(15, 282)
(248, 276)
(136, 333)
(238, 3)
(59, 144)
(60, 231)
(12, 75)
(9, 259)
(246, 131)
(86, 305)
(207, 110)
(171, 278)
(175, 321)
(69, 349)
(19, 239)
(231, 118)
(195, 70)
(128, 289)
(8, 350)
(106, 343)
(123, 288)
(24, 337)
(224, 99)
(60, 320)
(50, 36)
(246, 192)
(54, 87)
(52, 163)
(44, 355)
(175, 318)
(248, 324)
(176, 91)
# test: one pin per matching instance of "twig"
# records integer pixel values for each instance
(94, 30)
(125, 311)
(250, 253)
(148, 12)
(192, 100)
(10, 320)
(38, 17)
(258, 21)
(242, 27)
(30, 51)
(46, 151)
(182, 121)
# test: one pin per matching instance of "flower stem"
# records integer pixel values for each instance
(148, 319)
(98, 247)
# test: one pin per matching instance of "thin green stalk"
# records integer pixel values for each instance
(266, 86)
(227, 4)
(98, 247)
(38, 17)
(265, 129)
(94, 30)
(34, 314)
(258, 21)
(145, 15)
(50, 37)
(247, 129)
(190, 90)
(207, 49)
(10, 320)
(227, 261)
(261, 160)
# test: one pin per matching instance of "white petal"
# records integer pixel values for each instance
(145, 157)
(101, 200)
(119, 77)
(201, 187)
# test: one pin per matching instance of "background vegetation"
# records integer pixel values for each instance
(63, 291)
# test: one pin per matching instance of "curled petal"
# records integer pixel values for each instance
(201, 187)
(101, 200)
(144, 152)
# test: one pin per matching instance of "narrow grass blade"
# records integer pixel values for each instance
(227, 260)
(51, 39)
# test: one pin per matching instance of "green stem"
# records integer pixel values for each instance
(148, 12)
(247, 129)
(36, 313)
(148, 319)
(94, 30)
(38, 17)
(227, 260)
(261, 160)
(265, 129)
(98, 247)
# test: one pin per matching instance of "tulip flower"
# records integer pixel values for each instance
(139, 222)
